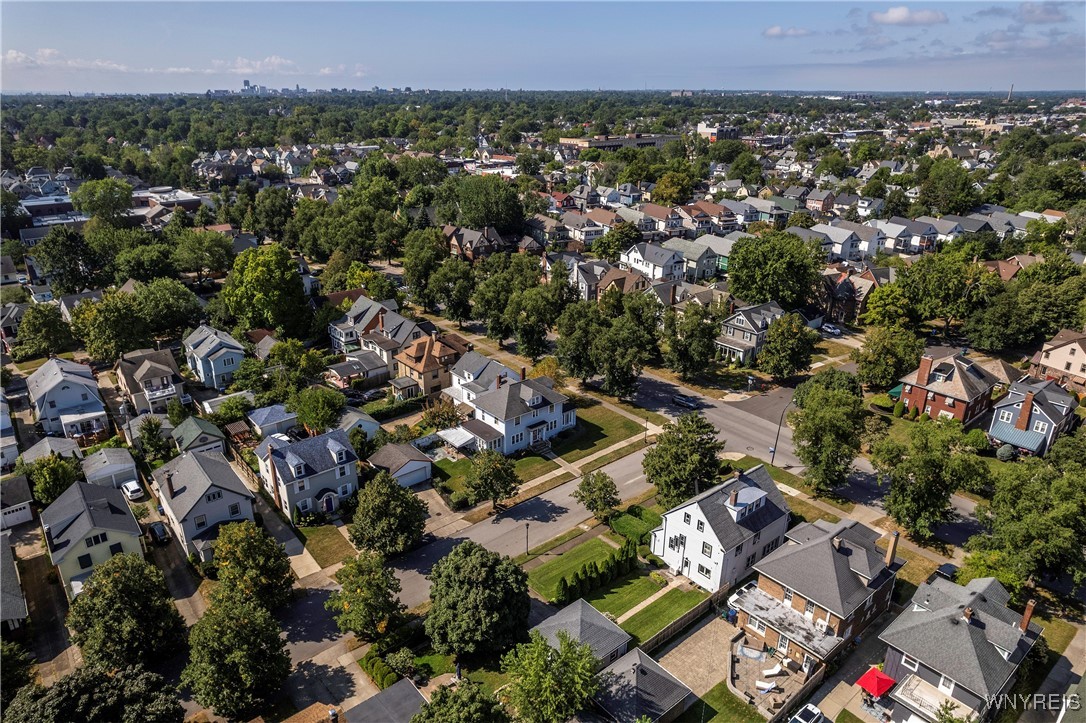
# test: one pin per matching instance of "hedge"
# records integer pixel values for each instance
(383, 409)
(378, 670)
(592, 576)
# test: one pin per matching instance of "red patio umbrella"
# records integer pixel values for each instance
(876, 682)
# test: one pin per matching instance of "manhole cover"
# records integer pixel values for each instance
(750, 449)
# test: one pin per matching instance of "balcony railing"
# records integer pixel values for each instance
(160, 392)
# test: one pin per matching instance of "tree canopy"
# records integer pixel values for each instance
(389, 519)
(367, 602)
(776, 266)
(684, 461)
(547, 684)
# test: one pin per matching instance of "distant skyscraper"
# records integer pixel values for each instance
(245, 83)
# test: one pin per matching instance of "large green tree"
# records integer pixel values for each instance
(423, 254)
(50, 476)
(107, 200)
(490, 201)
(776, 266)
(452, 285)
(167, 307)
(264, 290)
(318, 408)
(110, 327)
(479, 600)
(42, 331)
(890, 305)
(827, 378)
(684, 461)
(826, 432)
(95, 694)
(548, 684)
(888, 354)
(125, 615)
(789, 345)
(144, 263)
(598, 493)
(620, 352)
(390, 518)
(689, 339)
(16, 670)
(203, 253)
(252, 565)
(70, 262)
(492, 477)
(578, 327)
(274, 207)
(467, 702)
(620, 238)
(947, 188)
(366, 603)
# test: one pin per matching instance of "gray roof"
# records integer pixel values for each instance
(270, 415)
(133, 425)
(656, 255)
(14, 491)
(135, 366)
(57, 370)
(352, 416)
(61, 446)
(482, 430)
(263, 348)
(194, 473)
(749, 485)
(512, 399)
(636, 685)
(189, 432)
(314, 454)
(105, 458)
(397, 703)
(759, 316)
(212, 405)
(955, 376)
(207, 340)
(1052, 399)
(690, 250)
(81, 508)
(835, 564)
(939, 637)
(12, 602)
(584, 624)
(484, 371)
(394, 456)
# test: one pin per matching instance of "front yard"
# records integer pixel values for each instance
(780, 476)
(624, 593)
(662, 612)
(532, 466)
(452, 474)
(326, 544)
(544, 579)
(597, 428)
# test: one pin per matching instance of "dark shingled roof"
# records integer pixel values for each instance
(585, 624)
(393, 456)
(397, 703)
(12, 602)
(81, 508)
(315, 454)
(14, 491)
(713, 504)
(639, 686)
(511, 399)
(194, 474)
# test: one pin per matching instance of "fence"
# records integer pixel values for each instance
(685, 620)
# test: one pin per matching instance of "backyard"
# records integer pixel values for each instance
(326, 544)
(661, 612)
(597, 428)
(488, 675)
(624, 593)
(544, 579)
(720, 705)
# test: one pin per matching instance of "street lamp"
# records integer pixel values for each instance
(780, 423)
(525, 539)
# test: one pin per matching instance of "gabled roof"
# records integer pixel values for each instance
(194, 474)
(1053, 400)
(393, 456)
(61, 446)
(722, 520)
(955, 376)
(313, 454)
(939, 636)
(758, 316)
(107, 457)
(397, 703)
(135, 366)
(80, 509)
(12, 602)
(636, 685)
(57, 371)
(484, 371)
(190, 430)
(206, 340)
(272, 414)
(655, 255)
(584, 624)
(512, 398)
(14, 491)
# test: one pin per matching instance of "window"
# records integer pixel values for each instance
(788, 595)
(757, 625)
(703, 571)
(909, 663)
(686, 518)
(757, 536)
(701, 526)
(302, 485)
(750, 559)
(908, 388)
(341, 456)
(341, 472)
(303, 505)
(809, 609)
(216, 495)
(1005, 416)
(84, 562)
(1040, 427)
(96, 539)
(115, 549)
(1067, 367)
(1071, 351)
(235, 509)
(949, 402)
(228, 362)
(738, 548)
(52, 404)
(84, 396)
(706, 549)
(946, 685)
(344, 490)
(518, 437)
(299, 470)
(201, 522)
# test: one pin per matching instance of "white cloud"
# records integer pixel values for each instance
(273, 64)
(1043, 13)
(51, 58)
(902, 15)
(332, 71)
(778, 31)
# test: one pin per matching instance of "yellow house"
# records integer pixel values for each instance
(84, 527)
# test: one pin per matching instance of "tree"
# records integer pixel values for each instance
(390, 518)
(1001, 565)
(468, 702)
(144, 263)
(924, 471)
(318, 408)
(152, 443)
(673, 188)
(620, 238)
(42, 331)
(94, 694)
(479, 602)
(690, 339)
(377, 285)
(110, 327)
(948, 287)
(492, 477)
(777, 267)
(203, 253)
(69, 261)
(489, 201)
(529, 315)
(176, 412)
(424, 252)
(16, 670)
(578, 327)
(452, 286)
(167, 307)
(125, 615)
(889, 306)
(947, 187)
(549, 685)
(800, 219)
(252, 565)
(107, 200)
(684, 461)
(887, 355)
(273, 208)
(826, 431)
(828, 378)
(598, 493)
(619, 353)
(237, 659)
(50, 476)
(789, 345)
(264, 290)
(367, 604)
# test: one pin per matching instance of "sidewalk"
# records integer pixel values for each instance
(1067, 672)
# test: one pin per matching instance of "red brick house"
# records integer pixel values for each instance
(954, 387)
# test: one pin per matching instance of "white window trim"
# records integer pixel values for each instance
(1005, 416)
(947, 689)
(756, 625)
(909, 662)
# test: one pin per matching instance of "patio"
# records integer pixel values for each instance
(750, 668)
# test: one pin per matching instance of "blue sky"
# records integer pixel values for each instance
(190, 46)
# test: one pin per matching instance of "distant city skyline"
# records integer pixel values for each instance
(121, 47)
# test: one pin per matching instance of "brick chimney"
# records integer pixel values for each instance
(523, 373)
(733, 498)
(967, 614)
(837, 543)
(1027, 615)
(381, 320)
(169, 484)
(274, 477)
(1022, 422)
(891, 549)
(498, 381)
(924, 371)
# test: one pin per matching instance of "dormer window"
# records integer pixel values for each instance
(1005, 653)
(299, 470)
(341, 456)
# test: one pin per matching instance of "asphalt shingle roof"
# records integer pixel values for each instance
(107, 457)
(636, 685)
(315, 454)
(194, 473)
(397, 703)
(61, 446)
(713, 505)
(14, 491)
(962, 378)
(393, 456)
(12, 602)
(57, 370)
(512, 399)
(81, 508)
(270, 415)
(189, 431)
(585, 624)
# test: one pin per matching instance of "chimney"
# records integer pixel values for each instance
(924, 372)
(837, 543)
(891, 549)
(523, 373)
(672, 302)
(381, 320)
(498, 381)
(733, 498)
(1027, 616)
(274, 477)
(169, 484)
(1022, 422)
(967, 614)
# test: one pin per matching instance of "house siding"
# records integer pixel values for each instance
(895, 668)
(69, 566)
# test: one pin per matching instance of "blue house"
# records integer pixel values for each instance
(1032, 415)
(213, 356)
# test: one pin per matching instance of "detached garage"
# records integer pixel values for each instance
(404, 462)
(15, 502)
(110, 467)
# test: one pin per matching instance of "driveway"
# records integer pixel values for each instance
(47, 606)
(700, 657)
(181, 581)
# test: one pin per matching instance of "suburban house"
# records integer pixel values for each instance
(629, 194)
(398, 703)
(743, 332)
(511, 415)
(428, 361)
(112, 466)
(1062, 358)
(9, 447)
(69, 302)
(665, 221)
(655, 262)
(721, 246)
(66, 400)
(309, 475)
(715, 538)
(844, 244)
(956, 644)
(585, 624)
(60, 446)
(953, 387)
(360, 319)
(637, 688)
(149, 378)
(200, 491)
(1032, 415)
(404, 462)
(13, 610)
(197, 434)
(584, 197)
(819, 201)
(213, 356)
(474, 374)
(819, 591)
(273, 419)
(546, 230)
(354, 418)
(15, 500)
(87, 525)
(922, 235)
(946, 229)
(469, 244)
(695, 221)
(700, 261)
(11, 315)
(393, 333)
(582, 229)
(364, 366)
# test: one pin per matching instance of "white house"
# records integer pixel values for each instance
(199, 492)
(15, 502)
(197, 434)
(213, 356)
(655, 262)
(66, 399)
(474, 374)
(404, 462)
(700, 259)
(716, 537)
(9, 449)
(515, 415)
(844, 243)
(112, 467)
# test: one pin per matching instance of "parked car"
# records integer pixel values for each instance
(831, 330)
(685, 400)
(132, 490)
(808, 714)
(946, 571)
(159, 533)
(735, 595)
(374, 394)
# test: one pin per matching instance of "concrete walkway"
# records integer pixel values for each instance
(671, 584)
(1067, 672)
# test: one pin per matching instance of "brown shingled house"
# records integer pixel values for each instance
(428, 360)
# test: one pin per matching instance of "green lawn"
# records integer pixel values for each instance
(636, 522)
(916, 571)
(1058, 634)
(648, 414)
(326, 544)
(623, 594)
(31, 365)
(434, 664)
(807, 512)
(720, 705)
(544, 579)
(846, 717)
(532, 466)
(597, 428)
(662, 612)
(452, 473)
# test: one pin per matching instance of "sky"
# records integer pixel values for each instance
(153, 46)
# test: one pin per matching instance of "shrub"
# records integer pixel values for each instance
(899, 409)
(976, 440)
(402, 661)
(459, 500)
(914, 412)
(1006, 453)
(882, 401)
(643, 551)
(925, 417)
(561, 595)
(656, 561)
(658, 578)
(389, 679)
